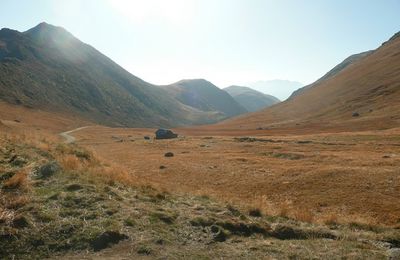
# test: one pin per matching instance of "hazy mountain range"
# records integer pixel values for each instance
(251, 99)
(281, 89)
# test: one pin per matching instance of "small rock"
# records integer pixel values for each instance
(219, 234)
(146, 138)
(355, 114)
(17, 161)
(169, 154)
(48, 170)
(394, 254)
(107, 239)
(162, 167)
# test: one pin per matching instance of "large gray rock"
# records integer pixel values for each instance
(165, 134)
(48, 170)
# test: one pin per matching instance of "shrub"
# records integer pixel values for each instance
(18, 181)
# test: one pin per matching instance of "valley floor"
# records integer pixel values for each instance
(113, 194)
(345, 176)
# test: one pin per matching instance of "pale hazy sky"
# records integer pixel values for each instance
(224, 41)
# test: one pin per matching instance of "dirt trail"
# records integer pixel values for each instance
(69, 138)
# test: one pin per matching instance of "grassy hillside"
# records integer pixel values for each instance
(205, 96)
(338, 68)
(251, 99)
(48, 68)
(363, 95)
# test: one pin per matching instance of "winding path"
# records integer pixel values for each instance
(69, 138)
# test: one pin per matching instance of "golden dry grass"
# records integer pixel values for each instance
(18, 181)
(349, 175)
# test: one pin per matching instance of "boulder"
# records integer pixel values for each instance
(165, 134)
(48, 170)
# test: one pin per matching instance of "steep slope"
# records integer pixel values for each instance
(338, 68)
(251, 99)
(203, 95)
(48, 68)
(370, 87)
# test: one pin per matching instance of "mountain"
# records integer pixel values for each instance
(361, 96)
(205, 96)
(281, 89)
(338, 68)
(251, 99)
(48, 68)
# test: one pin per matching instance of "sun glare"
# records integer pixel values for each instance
(176, 12)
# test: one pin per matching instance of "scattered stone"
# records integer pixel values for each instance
(162, 167)
(48, 170)
(252, 139)
(146, 137)
(394, 254)
(107, 239)
(218, 233)
(386, 156)
(17, 120)
(355, 114)
(169, 154)
(165, 134)
(16, 160)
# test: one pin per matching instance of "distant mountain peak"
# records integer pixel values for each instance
(251, 99)
(194, 81)
(45, 32)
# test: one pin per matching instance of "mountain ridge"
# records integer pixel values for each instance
(363, 96)
(203, 95)
(39, 70)
(251, 99)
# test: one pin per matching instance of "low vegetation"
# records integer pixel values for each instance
(60, 200)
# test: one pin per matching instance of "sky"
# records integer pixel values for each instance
(228, 42)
